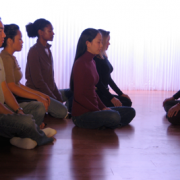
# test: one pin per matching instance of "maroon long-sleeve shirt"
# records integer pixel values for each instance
(85, 78)
(40, 71)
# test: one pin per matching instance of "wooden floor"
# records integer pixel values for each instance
(148, 149)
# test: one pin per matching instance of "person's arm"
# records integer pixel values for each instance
(174, 97)
(116, 89)
(168, 99)
(21, 92)
(177, 95)
(5, 110)
(34, 67)
(10, 100)
(114, 86)
(100, 86)
(36, 92)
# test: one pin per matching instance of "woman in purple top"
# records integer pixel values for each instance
(39, 68)
(88, 111)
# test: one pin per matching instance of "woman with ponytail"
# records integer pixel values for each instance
(39, 68)
(88, 111)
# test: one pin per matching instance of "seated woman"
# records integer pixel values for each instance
(21, 129)
(12, 43)
(172, 107)
(88, 111)
(104, 69)
(39, 68)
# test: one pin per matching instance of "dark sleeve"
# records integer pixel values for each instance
(83, 94)
(100, 86)
(177, 95)
(114, 87)
(34, 67)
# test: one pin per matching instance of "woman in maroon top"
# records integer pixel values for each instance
(39, 67)
(88, 111)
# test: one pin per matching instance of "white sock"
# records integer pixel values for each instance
(49, 132)
(24, 143)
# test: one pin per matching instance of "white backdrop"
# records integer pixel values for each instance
(145, 37)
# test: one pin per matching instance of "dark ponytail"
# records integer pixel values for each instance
(11, 31)
(39, 24)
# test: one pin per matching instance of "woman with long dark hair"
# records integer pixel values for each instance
(88, 111)
(39, 68)
(104, 69)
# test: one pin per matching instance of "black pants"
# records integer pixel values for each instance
(175, 119)
(125, 101)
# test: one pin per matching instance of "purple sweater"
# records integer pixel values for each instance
(85, 78)
(40, 72)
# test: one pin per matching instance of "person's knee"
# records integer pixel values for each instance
(174, 120)
(115, 117)
(25, 121)
(167, 106)
(126, 101)
(128, 117)
(62, 112)
(39, 107)
(132, 112)
(129, 103)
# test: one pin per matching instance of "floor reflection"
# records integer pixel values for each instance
(89, 151)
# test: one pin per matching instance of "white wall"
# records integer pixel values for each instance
(145, 37)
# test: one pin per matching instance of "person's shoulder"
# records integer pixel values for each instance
(80, 66)
(34, 47)
(78, 63)
(106, 60)
(6, 57)
(34, 50)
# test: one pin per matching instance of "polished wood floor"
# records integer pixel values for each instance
(148, 149)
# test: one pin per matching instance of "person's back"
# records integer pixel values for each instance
(39, 68)
(39, 71)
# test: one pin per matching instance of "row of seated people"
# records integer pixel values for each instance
(88, 99)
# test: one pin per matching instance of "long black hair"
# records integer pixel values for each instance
(11, 31)
(39, 24)
(87, 35)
